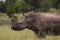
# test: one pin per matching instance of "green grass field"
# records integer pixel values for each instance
(7, 34)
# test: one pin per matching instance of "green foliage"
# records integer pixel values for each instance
(18, 6)
(56, 4)
(2, 7)
(26, 7)
(10, 7)
(40, 5)
(45, 5)
(33, 3)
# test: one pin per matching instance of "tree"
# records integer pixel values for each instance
(10, 7)
(2, 7)
(56, 4)
(18, 6)
(33, 3)
(45, 5)
(39, 5)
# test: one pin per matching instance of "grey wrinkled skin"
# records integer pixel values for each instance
(16, 25)
(42, 24)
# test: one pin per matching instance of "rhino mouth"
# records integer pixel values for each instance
(16, 28)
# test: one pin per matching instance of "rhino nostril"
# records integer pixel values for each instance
(12, 27)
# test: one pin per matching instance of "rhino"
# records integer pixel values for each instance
(41, 24)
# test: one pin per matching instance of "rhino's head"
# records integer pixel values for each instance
(24, 23)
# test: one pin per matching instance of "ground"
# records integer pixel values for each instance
(7, 34)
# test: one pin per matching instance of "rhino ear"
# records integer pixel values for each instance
(13, 18)
(24, 14)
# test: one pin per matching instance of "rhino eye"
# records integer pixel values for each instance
(19, 23)
(26, 17)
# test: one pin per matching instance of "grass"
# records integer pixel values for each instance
(7, 34)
